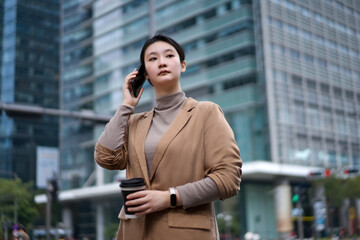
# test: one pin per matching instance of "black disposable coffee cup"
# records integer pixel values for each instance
(129, 186)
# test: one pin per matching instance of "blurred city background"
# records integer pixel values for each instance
(285, 72)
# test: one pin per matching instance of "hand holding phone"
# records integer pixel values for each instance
(136, 85)
(131, 91)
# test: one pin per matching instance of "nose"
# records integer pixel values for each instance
(162, 62)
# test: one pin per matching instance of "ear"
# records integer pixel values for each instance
(183, 66)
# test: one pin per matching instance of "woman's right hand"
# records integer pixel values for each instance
(128, 97)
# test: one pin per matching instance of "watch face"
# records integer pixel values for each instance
(173, 200)
(172, 197)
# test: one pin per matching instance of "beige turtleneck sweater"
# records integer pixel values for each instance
(166, 109)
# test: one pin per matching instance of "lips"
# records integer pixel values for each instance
(163, 72)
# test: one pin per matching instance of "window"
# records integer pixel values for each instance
(76, 37)
(321, 62)
(77, 72)
(331, 152)
(294, 54)
(355, 149)
(313, 116)
(107, 18)
(340, 123)
(302, 153)
(316, 150)
(311, 84)
(296, 80)
(344, 157)
(328, 122)
(299, 114)
(309, 58)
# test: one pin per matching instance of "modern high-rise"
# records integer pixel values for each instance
(285, 72)
(312, 65)
(29, 77)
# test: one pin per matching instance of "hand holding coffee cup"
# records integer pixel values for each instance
(130, 186)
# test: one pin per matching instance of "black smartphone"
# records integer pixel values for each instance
(136, 85)
(138, 81)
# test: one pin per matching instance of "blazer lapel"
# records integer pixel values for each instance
(179, 122)
(142, 130)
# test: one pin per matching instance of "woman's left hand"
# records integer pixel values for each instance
(149, 201)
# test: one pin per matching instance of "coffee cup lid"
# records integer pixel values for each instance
(133, 182)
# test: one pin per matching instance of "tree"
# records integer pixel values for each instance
(16, 198)
(337, 190)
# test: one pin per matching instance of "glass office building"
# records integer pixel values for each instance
(312, 63)
(285, 72)
(1, 32)
(29, 76)
(76, 93)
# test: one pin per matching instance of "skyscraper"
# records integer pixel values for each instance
(313, 81)
(285, 72)
(29, 76)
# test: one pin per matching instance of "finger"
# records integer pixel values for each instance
(129, 78)
(144, 209)
(133, 72)
(136, 201)
(131, 75)
(139, 208)
(139, 194)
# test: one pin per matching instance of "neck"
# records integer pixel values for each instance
(161, 92)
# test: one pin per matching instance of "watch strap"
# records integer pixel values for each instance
(172, 197)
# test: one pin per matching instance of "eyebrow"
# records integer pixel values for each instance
(167, 50)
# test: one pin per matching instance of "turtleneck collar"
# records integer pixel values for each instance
(170, 101)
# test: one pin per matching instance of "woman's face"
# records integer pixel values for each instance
(163, 66)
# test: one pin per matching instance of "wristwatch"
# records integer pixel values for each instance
(172, 197)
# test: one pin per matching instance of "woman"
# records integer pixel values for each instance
(184, 149)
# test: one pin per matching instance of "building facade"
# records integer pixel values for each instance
(313, 81)
(29, 76)
(285, 72)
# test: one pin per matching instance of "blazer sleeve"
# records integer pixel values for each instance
(111, 159)
(222, 156)
(111, 148)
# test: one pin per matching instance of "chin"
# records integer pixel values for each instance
(166, 80)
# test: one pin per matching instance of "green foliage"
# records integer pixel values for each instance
(339, 189)
(333, 190)
(234, 226)
(352, 187)
(110, 231)
(15, 191)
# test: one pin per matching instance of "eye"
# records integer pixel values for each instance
(170, 55)
(152, 59)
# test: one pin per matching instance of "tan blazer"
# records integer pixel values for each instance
(198, 144)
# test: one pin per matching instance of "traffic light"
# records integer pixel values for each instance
(315, 174)
(299, 193)
(295, 198)
(327, 172)
(351, 170)
(318, 174)
(53, 189)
